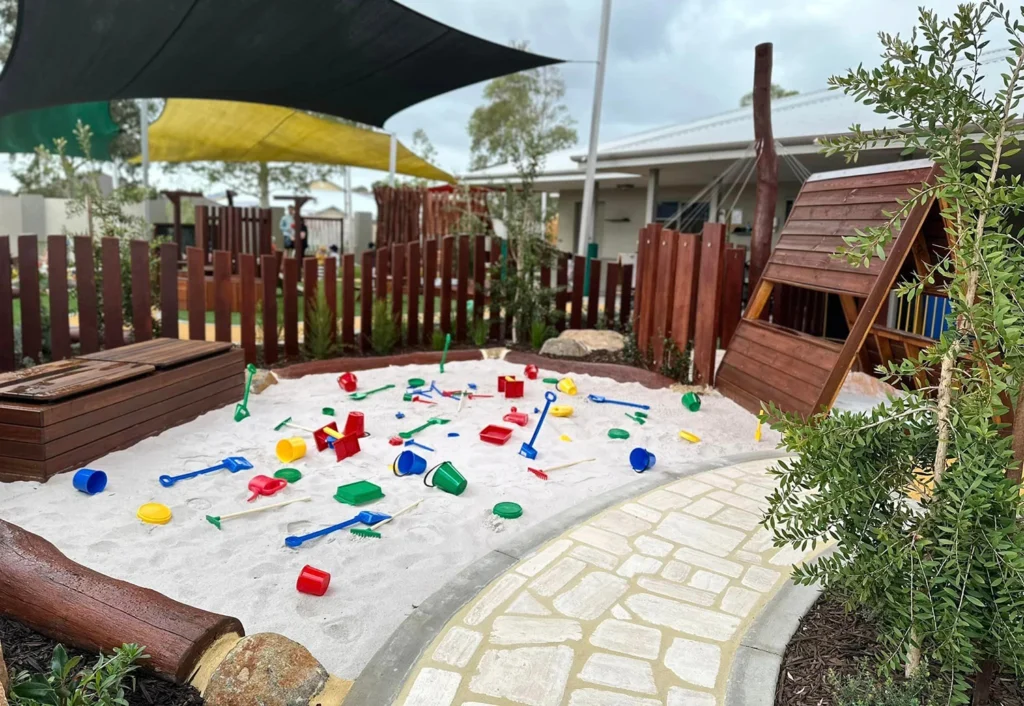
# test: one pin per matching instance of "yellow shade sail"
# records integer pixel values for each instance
(227, 131)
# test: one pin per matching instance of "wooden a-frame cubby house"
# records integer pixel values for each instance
(802, 373)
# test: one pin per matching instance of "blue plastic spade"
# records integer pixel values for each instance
(231, 463)
(527, 448)
(365, 517)
(605, 400)
(413, 442)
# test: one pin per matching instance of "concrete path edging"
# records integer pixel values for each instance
(381, 681)
(758, 661)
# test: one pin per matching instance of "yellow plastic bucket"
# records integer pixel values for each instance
(567, 386)
(291, 449)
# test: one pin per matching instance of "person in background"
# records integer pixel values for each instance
(288, 228)
(302, 244)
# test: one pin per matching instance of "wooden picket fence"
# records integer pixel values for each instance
(439, 269)
(690, 291)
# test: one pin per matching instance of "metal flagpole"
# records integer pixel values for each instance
(393, 159)
(587, 212)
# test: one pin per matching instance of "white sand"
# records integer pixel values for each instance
(246, 571)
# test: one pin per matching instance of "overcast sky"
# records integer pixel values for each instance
(669, 61)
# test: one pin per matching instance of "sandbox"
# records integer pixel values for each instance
(246, 570)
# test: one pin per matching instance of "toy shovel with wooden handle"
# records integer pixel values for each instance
(371, 531)
(543, 475)
(215, 520)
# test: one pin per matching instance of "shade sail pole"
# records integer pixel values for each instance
(393, 159)
(144, 136)
(587, 212)
(349, 222)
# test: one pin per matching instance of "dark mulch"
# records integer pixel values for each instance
(27, 650)
(829, 638)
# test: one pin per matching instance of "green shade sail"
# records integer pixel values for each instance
(21, 133)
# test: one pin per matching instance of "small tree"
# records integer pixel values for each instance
(945, 575)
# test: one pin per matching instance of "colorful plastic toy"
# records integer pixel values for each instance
(356, 396)
(641, 459)
(421, 399)
(604, 400)
(154, 514)
(396, 441)
(265, 485)
(355, 425)
(328, 411)
(757, 431)
(89, 481)
(639, 417)
(415, 382)
(531, 372)
(232, 463)
(347, 445)
(291, 449)
(365, 517)
(372, 530)
(446, 477)
(444, 355)
(413, 442)
(216, 520)
(567, 386)
(347, 382)
(430, 422)
(618, 434)
(409, 464)
(452, 434)
(692, 438)
(515, 417)
(242, 409)
(358, 493)
(495, 434)
(508, 511)
(322, 437)
(543, 474)
(561, 410)
(399, 415)
(691, 400)
(501, 382)
(550, 381)
(527, 449)
(564, 437)
(292, 475)
(313, 581)
(514, 388)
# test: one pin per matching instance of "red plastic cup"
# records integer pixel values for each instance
(321, 437)
(313, 581)
(354, 425)
(346, 446)
(347, 382)
(531, 372)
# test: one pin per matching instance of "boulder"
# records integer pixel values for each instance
(261, 381)
(5, 681)
(596, 339)
(564, 347)
(266, 669)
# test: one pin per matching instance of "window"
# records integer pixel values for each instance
(692, 218)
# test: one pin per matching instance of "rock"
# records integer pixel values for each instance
(266, 669)
(595, 339)
(564, 348)
(5, 681)
(262, 380)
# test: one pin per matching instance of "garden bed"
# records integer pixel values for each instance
(25, 649)
(830, 639)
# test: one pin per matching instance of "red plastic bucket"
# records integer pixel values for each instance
(531, 372)
(354, 425)
(347, 382)
(313, 581)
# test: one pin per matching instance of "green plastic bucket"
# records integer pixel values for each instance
(446, 477)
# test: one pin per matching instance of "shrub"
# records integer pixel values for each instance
(479, 333)
(65, 685)
(865, 689)
(540, 332)
(437, 340)
(386, 332)
(319, 328)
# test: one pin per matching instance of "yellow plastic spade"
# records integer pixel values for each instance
(692, 438)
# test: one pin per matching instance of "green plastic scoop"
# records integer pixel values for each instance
(430, 422)
(364, 395)
(242, 409)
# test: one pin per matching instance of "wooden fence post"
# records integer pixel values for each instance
(196, 299)
(88, 305)
(414, 275)
(383, 262)
(7, 361)
(222, 295)
(429, 289)
(708, 296)
(578, 275)
(291, 306)
(610, 286)
(310, 284)
(663, 291)
(398, 257)
(479, 277)
(331, 294)
(684, 309)
(495, 268)
(562, 293)
(462, 289)
(268, 271)
(366, 302)
(60, 332)
(594, 295)
(447, 256)
(626, 301)
(247, 305)
(113, 321)
(348, 299)
(31, 306)
(732, 292)
(169, 290)
(142, 309)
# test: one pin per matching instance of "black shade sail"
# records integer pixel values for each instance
(363, 60)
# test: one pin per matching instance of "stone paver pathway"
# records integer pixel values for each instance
(642, 605)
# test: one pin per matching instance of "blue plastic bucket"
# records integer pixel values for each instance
(89, 481)
(641, 459)
(410, 464)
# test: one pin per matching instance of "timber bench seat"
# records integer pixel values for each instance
(63, 415)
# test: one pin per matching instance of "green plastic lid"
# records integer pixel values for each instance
(415, 382)
(289, 474)
(358, 493)
(618, 434)
(329, 411)
(551, 381)
(508, 511)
